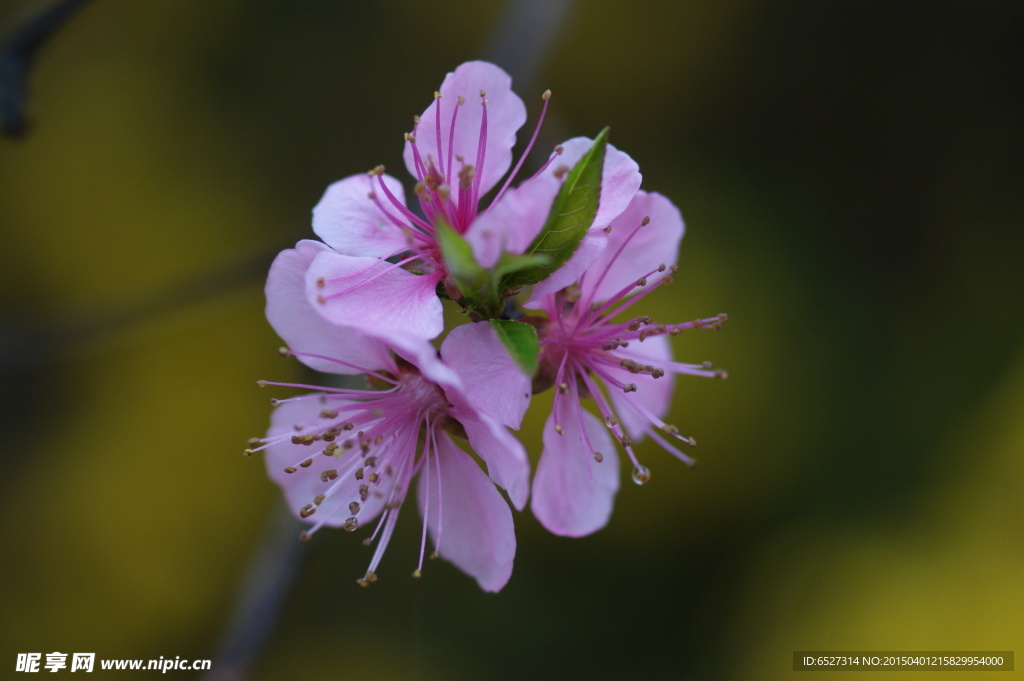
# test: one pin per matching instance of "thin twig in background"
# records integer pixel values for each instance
(17, 52)
(523, 37)
(259, 597)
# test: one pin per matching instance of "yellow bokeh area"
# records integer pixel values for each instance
(850, 175)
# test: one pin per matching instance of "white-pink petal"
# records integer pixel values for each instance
(511, 224)
(469, 521)
(653, 394)
(634, 250)
(507, 463)
(506, 113)
(573, 494)
(492, 382)
(593, 244)
(375, 297)
(303, 329)
(304, 484)
(351, 222)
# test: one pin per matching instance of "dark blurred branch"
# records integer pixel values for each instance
(259, 598)
(17, 52)
(525, 33)
(27, 344)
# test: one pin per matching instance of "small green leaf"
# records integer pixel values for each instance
(521, 342)
(459, 260)
(572, 214)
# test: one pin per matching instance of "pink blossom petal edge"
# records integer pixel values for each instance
(351, 222)
(302, 328)
(635, 249)
(507, 463)
(375, 297)
(469, 521)
(492, 383)
(506, 113)
(573, 494)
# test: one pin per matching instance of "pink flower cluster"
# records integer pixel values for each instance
(367, 300)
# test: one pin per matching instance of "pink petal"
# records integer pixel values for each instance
(354, 224)
(375, 297)
(469, 521)
(303, 329)
(507, 463)
(572, 493)
(505, 115)
(635, 250)
(593, 244)
(511, 224)
(654, 394)
(304, 484)
(492, 383)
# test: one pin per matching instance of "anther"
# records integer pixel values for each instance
(434, 555)
(353, 507)
(284, 351)
(629, 388)
(319, 499)
(274, 401)
(378, 170)
(359, 474)
(646, 221)
(369, 579)
(558, 429)
(248, 452)
(670, 429)
(261, 384)
(371, 461)
(598, 457)
(304, 536)
(416, 574)
(289, 469)
(409, 137)
(546, 96)
(561, 171)
(328, 475)
(437, 95)
(661, 267)
(307, 463)
(307, 510)
(723, 318)
(350, 525)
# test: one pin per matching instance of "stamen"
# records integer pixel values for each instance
(546, 97)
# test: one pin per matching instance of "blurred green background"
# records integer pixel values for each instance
(852, 176)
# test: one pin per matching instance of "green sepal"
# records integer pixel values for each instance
(521, 342)
(572, 214)
(459, 260)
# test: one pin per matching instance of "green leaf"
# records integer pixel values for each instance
(459, 260)
(521, 342)
(572, 214)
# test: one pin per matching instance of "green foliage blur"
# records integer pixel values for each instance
(851, 175)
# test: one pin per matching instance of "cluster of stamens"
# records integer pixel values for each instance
(380, 439)
(582, 341)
